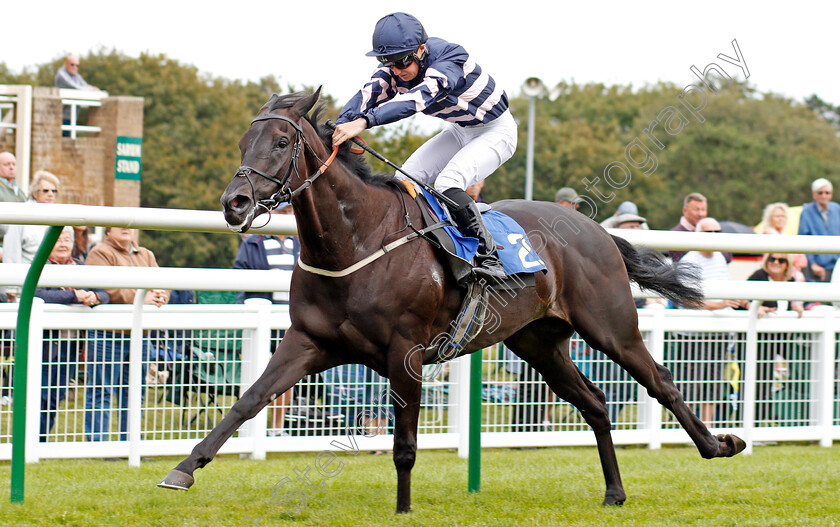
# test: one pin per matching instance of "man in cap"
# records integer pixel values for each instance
(821, 216)
(567, 197)
(425, 74)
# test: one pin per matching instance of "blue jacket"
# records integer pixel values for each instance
(811, 222)
(450, 86)
(252, 255)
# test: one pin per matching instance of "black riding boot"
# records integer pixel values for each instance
(468, 219)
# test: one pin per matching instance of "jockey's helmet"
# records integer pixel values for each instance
(395, 34)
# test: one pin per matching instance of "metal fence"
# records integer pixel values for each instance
(773, 379)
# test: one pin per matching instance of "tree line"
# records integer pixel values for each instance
(610, 143)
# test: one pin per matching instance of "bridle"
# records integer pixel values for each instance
(283, 194)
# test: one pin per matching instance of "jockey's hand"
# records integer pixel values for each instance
(346, 131)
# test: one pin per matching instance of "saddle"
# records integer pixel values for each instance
(519, 260)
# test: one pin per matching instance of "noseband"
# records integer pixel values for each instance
(283, 193)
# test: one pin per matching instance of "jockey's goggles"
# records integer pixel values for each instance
(399, 61)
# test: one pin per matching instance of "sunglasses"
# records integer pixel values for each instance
(773, 259)
(712, 231)
(398, 62)
(76, 64)
(824, 192)
(48, 190)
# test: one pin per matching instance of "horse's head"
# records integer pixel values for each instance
(271, 150)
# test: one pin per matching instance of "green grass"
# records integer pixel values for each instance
(782, 485)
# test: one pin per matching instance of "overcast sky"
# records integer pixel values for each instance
(789, 47)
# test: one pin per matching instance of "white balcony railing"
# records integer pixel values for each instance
(76, 99)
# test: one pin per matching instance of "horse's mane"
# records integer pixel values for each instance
(355, 163)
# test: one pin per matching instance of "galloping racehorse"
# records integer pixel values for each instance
(377, 313)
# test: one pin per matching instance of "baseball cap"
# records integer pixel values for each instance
(567, 194)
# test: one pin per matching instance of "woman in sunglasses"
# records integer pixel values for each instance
(777, 267)
(425, 74)
(22, 241)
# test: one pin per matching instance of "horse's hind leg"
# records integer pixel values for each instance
(294, 358)
(565, 380)
(621, 341)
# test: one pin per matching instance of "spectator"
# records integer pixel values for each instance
(820, 217)
(625, 211)
(773, 221)
(81, 243)
(777, 267)
(107, 362)
(776, 349)
(279, 253)
(695, 208)
(708, 357)
(22, 241)
(474, 191)
(567, 197)
(68, 77)
(629, 221)
(60, 350)
(9, 190)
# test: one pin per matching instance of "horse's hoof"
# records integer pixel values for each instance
(177, 480)
(616, 500)
(735, 444)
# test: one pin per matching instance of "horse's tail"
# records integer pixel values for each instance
(678, 282)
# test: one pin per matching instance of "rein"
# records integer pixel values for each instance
(283, 194)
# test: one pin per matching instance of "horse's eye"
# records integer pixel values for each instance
(282, 143)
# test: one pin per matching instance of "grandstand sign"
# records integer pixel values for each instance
(129, 158)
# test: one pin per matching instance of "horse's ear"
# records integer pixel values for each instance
(269, 104)
(305, 104)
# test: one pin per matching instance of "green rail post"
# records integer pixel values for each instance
(22, 360)
(474, 473)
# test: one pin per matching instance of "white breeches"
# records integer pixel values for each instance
(462, 156)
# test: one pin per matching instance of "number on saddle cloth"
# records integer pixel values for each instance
(512, 244)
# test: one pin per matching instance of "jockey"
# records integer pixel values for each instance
(438, 78)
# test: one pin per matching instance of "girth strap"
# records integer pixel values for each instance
(370, 259)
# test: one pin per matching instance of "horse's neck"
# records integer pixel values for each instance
(340, 218)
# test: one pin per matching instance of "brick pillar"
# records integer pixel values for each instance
(118, 116)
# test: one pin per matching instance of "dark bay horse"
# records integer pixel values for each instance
(376, 315)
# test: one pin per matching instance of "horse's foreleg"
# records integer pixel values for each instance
(295, 358)
(405, 394)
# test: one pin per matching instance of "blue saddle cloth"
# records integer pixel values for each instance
(512, 243)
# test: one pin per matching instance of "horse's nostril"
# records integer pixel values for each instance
(239, 202)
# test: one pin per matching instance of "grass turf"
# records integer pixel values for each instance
(779, 485)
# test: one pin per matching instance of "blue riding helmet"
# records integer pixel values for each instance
(396, 33)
